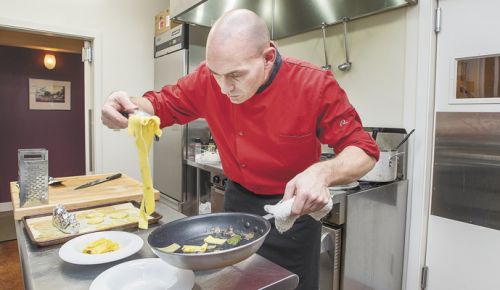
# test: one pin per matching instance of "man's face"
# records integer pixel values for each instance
(238, 73)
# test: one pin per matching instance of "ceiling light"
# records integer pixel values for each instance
(49, 61)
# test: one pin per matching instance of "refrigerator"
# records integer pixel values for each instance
(177, 52)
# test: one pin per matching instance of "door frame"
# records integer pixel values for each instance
(92, 80)
(419, 113)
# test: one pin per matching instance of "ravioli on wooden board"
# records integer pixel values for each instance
(91, 220)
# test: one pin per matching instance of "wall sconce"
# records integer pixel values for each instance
(49, 61)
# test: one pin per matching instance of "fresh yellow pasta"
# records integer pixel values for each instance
(144, 129)
(101, 246)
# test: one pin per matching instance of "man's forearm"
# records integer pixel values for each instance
(351, 164)
(143, 104)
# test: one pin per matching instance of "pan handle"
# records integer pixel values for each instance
(268, 216)
(404, 140)
(396, 155)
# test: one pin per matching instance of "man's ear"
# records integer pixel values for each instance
(269, 56)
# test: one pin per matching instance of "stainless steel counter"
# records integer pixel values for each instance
(211, 167)
(43, 269)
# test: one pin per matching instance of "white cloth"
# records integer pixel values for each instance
(282, 218)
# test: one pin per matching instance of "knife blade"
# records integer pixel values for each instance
(97, 181)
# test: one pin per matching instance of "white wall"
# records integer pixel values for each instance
(124, 30)
(377, 50)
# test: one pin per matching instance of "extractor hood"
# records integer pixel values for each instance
(284, 17)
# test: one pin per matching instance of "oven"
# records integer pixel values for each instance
(331, 243)
(330, 257)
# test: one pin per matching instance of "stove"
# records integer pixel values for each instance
(336, 217)
(367, 224)
(363, 221)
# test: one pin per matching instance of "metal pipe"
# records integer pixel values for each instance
(347, 64)
(272, 19)
(323, 28)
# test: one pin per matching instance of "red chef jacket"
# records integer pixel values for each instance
(276, 134)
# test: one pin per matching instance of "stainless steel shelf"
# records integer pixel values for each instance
(211, 167)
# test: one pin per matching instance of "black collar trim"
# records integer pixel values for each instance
(274, 72)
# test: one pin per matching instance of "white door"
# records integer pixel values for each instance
(463, 256)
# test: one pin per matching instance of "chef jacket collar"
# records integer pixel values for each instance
(274, 72)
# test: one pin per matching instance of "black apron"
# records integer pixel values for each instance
(296, 250)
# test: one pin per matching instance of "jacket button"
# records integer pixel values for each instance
(243, 165)
(241, 133)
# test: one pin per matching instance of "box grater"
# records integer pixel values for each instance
(33, 176)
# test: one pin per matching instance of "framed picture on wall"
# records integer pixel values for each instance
(49, 94)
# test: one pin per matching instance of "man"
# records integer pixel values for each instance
(268, 115)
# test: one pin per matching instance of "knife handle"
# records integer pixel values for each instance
(114, 176)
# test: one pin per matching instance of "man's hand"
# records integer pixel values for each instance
(310, 189)
(117, 103)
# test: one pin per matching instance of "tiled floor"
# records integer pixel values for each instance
(10, 271)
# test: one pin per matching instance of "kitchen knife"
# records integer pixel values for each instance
(101, 180)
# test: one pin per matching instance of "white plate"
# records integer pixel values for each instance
(344, 186)
(71, 251)
(151, 274)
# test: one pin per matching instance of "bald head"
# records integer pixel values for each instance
(240, 29)
(239, 54)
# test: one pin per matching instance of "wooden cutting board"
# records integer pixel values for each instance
(43, 233)
(122, 189)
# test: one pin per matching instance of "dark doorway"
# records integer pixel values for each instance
(62, 132)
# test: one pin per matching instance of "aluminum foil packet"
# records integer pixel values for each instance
(64, 221)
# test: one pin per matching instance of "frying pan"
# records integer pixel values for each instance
(186, 229)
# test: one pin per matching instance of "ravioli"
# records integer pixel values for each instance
(94, 215)
(195, 249)
(170, 249)
(119, 215)
(215, 241)
(95, 220)
(143, 129)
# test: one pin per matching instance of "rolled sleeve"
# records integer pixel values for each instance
(339, 123)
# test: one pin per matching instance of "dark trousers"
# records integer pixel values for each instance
(296, 250)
